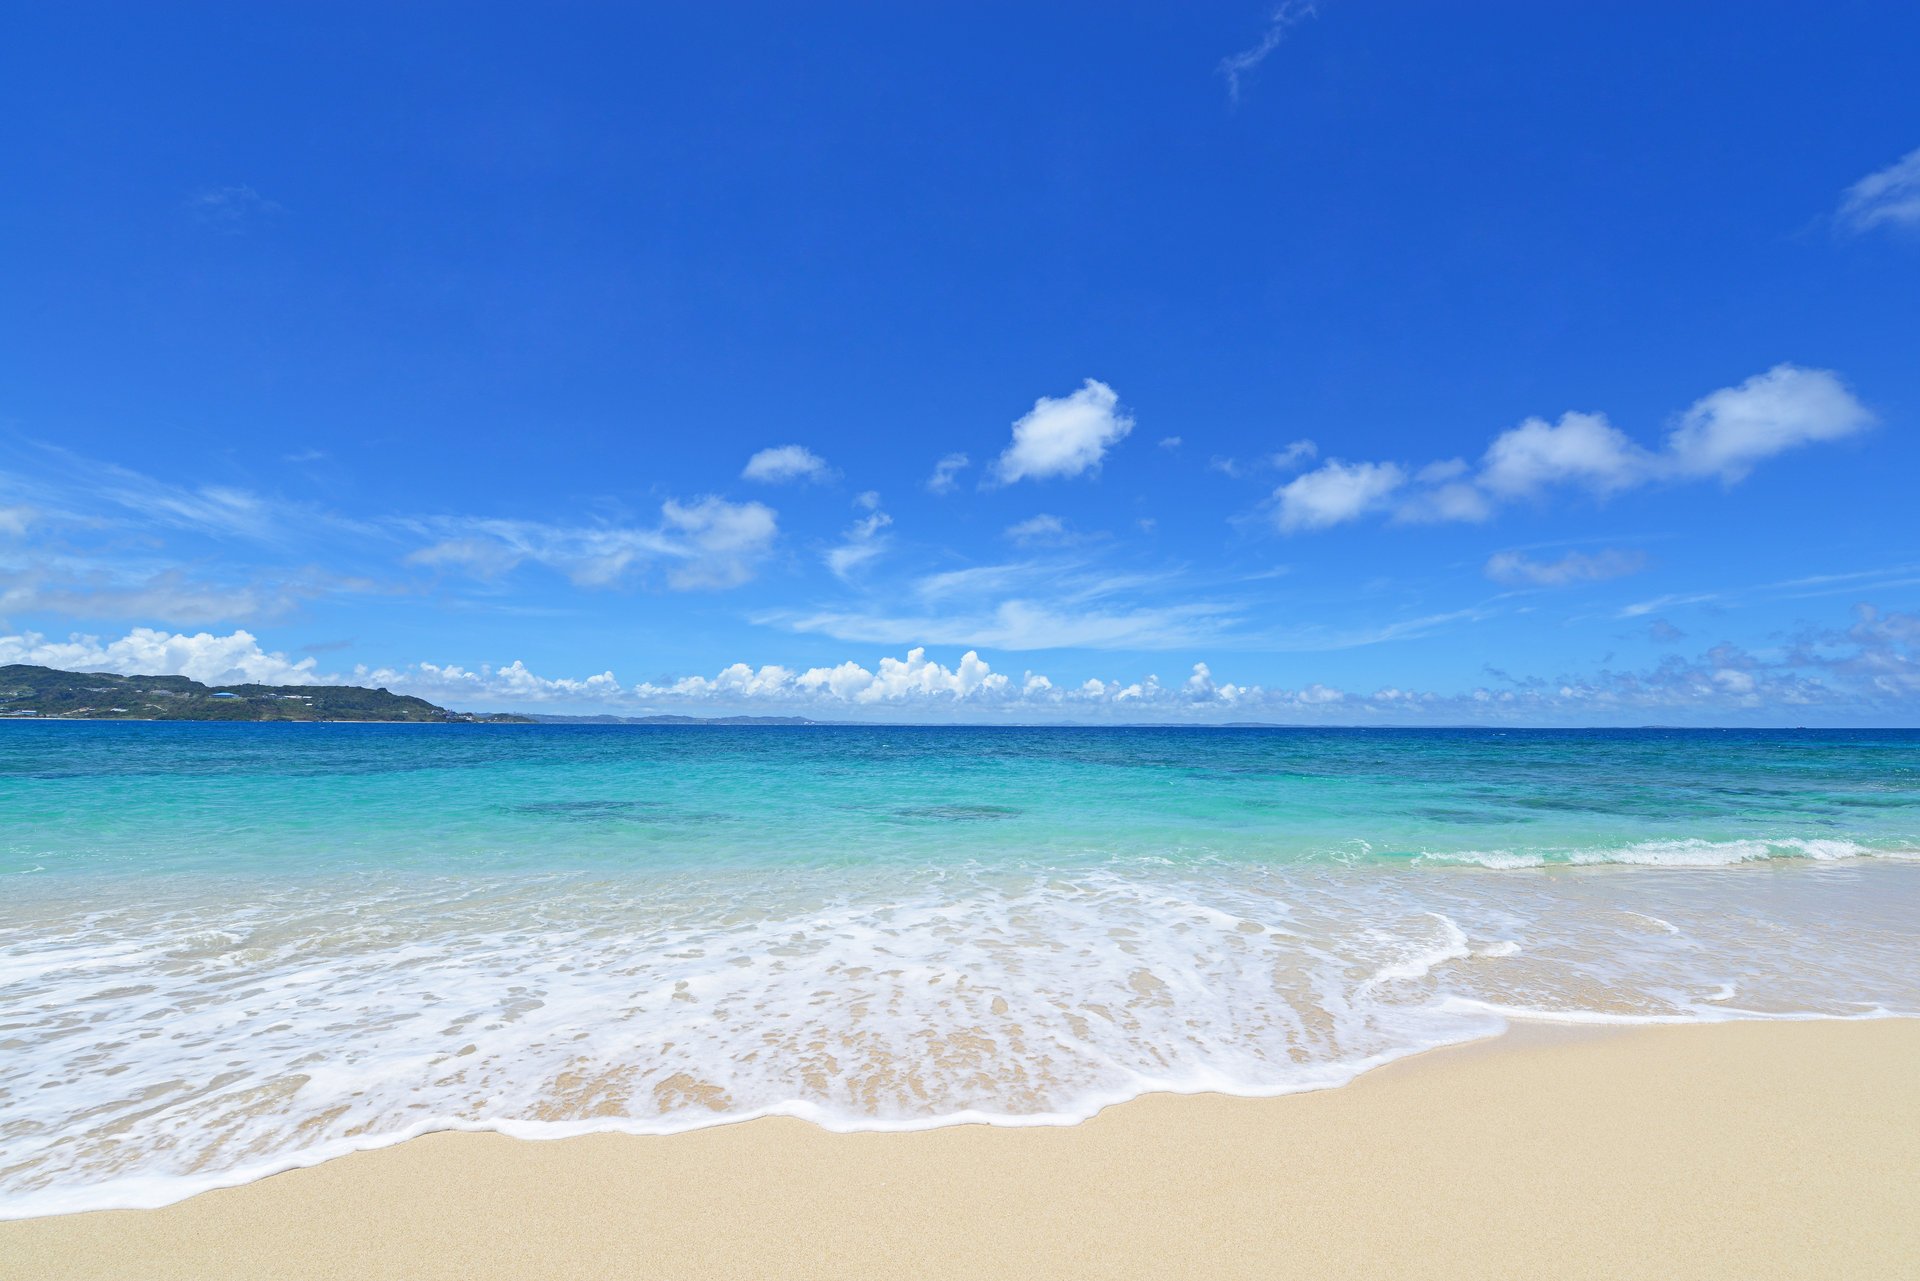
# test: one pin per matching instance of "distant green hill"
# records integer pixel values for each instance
(42, 691)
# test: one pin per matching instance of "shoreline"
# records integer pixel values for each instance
(1753, 1148)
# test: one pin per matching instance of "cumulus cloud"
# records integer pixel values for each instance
(1869, 667)
(1517, 569)
(706, 543)
(783, 463)
(1887, 198)
(239, 659)
(1723, 435)
(925, 685)
(487, 686)
(1726, 432)
(235, 659)
(946, 473)
(1582, 449)
(1065, 436)
(1335, 492)
(915, 679)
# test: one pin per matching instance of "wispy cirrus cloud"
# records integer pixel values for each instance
(231, 209)
(1888, 197)
(77, 588)
(706, 543)
(863, 542)
(1281, 19)
(1020, 624)
(1520, 570)
(1805, 587)
(1042, 530)
(946, 474)
(1291, 457)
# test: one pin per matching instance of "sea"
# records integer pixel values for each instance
(231, 949)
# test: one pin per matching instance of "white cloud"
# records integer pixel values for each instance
(864, 540)
(1726, 432)
(1170, 442)
(1517, 569)
(1582, 448)
(1067, 436)
(14, 520)
(1335, 492)
(212, 660)
(469, 688)
(1888, 198)
(783, 463)
(1723, 434)
(1297, 453)
(1283, 16)
(722, 542)
(706, 543)
(914, 679)
(230, 208)
(1441, 495)
(237, 659)
(1872, 666)
(501, 549)
(218, 510)
(946, 472)
(1023, 625)
(168, 595)
(1043, 529)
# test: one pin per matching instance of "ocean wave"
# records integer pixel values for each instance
(1681, 852)
(251, 1034)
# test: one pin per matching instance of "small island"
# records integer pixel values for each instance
(44, 692)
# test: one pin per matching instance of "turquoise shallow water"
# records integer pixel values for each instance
(229, 948)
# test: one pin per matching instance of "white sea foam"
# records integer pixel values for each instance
(1686, 852)
(203, 1034)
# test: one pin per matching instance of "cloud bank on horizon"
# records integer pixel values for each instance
(1875, 659)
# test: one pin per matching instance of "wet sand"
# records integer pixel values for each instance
(1741, 1149)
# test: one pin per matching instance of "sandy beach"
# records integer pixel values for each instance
(1746, 1149)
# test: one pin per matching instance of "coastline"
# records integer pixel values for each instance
(1739, 1148)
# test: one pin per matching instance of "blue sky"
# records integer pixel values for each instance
(1353, 363)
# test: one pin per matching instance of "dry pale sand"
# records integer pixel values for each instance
(1736, 1150)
